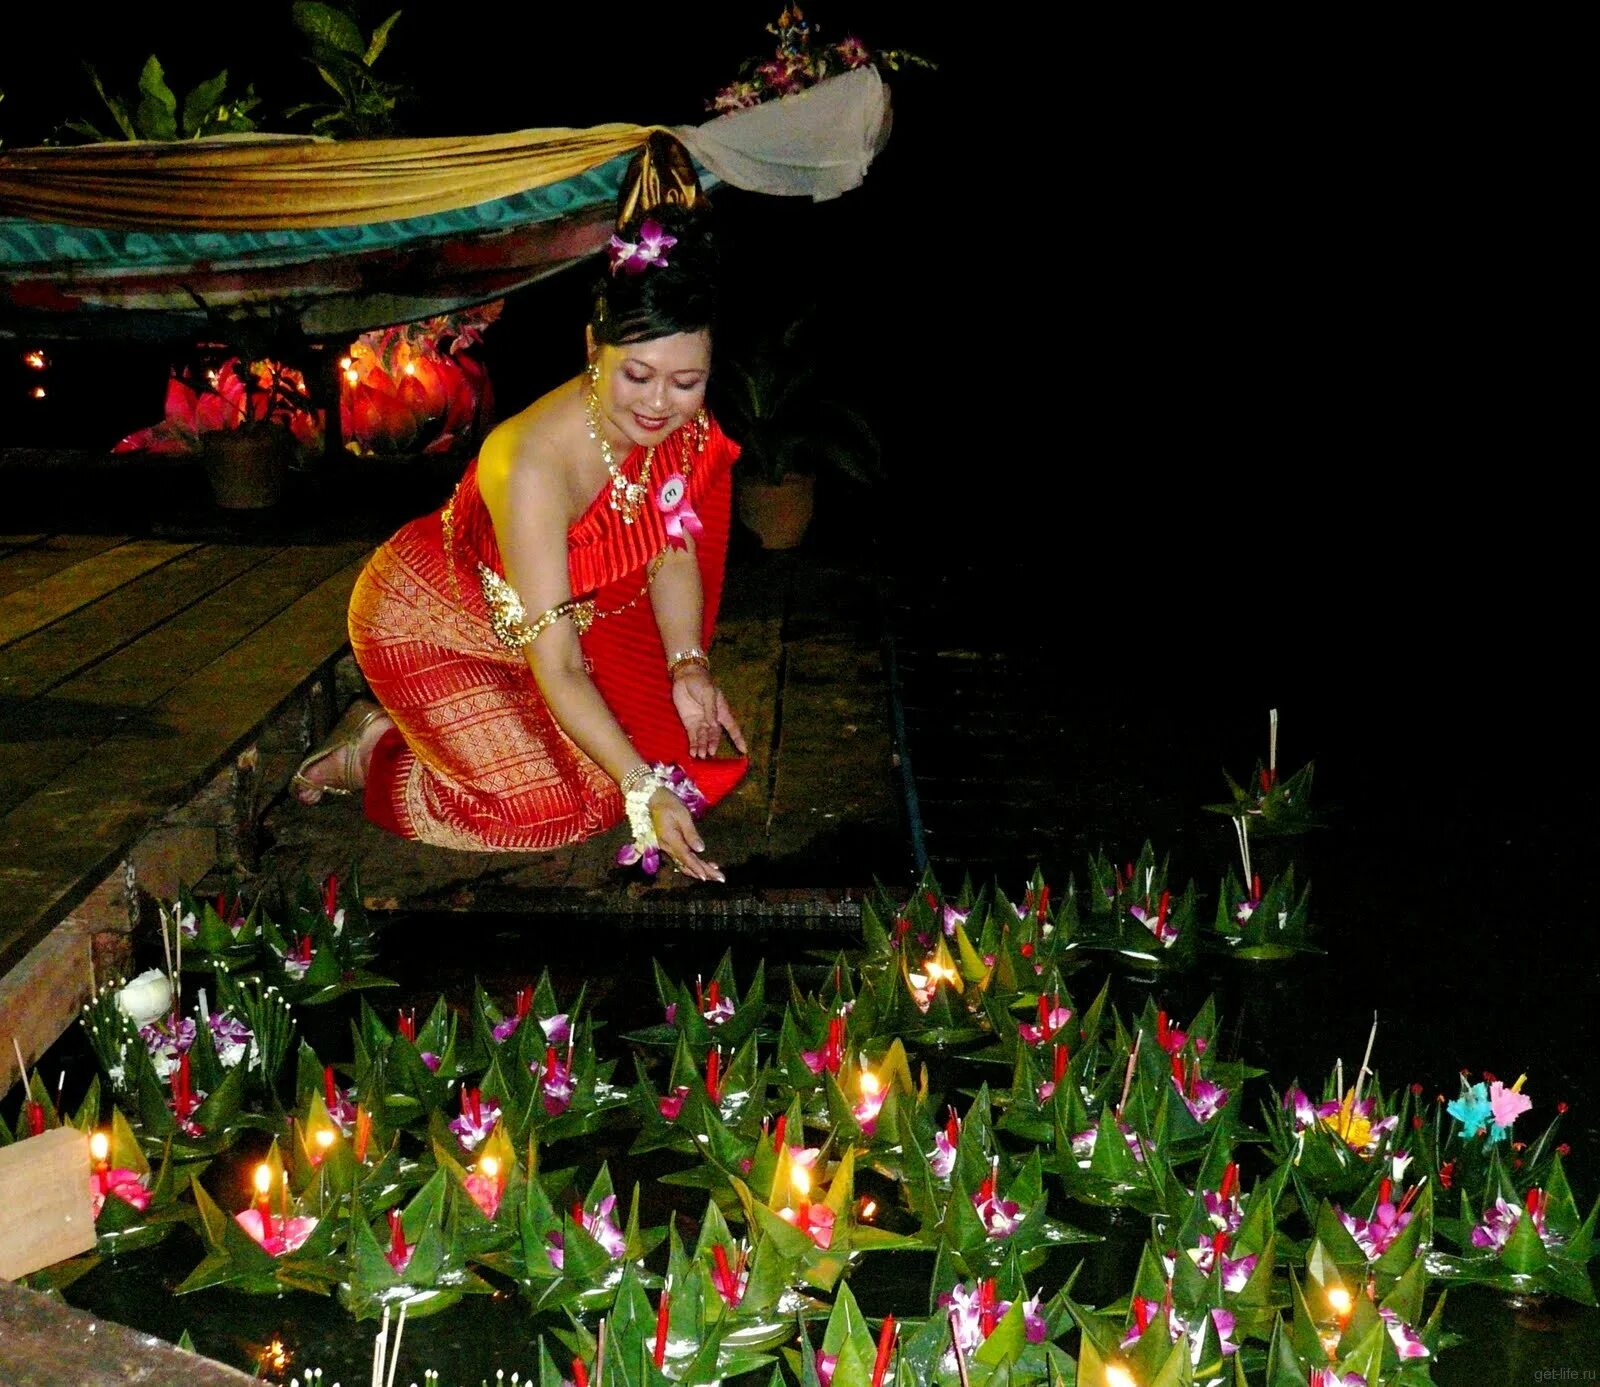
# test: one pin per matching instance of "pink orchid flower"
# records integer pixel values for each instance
(276, 1236)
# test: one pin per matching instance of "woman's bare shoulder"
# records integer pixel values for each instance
(532, 452)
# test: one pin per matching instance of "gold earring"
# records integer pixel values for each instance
(594, 373)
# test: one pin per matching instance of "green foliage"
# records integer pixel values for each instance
(363, 104)
(157, 113)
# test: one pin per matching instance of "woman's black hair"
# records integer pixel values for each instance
(679, 296)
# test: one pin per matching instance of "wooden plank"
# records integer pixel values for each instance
(31, 665)
(27, 609)
(41, 739)
(40, 997)
(45, 1343)
(65, 836)
(50, 554)
(10, 542)
(44, 1190)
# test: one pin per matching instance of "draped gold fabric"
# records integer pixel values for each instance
(231, 184)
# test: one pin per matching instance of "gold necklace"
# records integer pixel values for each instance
(626, 496)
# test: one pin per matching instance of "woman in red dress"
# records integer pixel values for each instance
(538, 647)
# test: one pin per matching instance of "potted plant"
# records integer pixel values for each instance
(774, 401)
(244, 419)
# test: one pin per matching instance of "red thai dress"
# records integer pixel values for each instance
(475, 759)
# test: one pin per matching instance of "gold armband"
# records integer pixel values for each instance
(509, 617)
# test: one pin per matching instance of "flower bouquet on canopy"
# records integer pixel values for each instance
(1270, 803)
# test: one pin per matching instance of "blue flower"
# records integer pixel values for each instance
(1472, 1111)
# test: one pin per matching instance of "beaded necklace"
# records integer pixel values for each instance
(626, 496)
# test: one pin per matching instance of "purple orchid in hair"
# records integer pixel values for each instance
(635, 257)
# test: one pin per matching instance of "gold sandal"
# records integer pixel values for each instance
(345, 748)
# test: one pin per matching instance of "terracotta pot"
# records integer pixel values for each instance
(247, 470)
(777, 514)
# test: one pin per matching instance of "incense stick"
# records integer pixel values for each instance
(1127, 1078)
(22, 1068)
(600, 1354)
(1241, 830)
(394, 1363)
(1272, 741)
(166, 944)
(1361, 1076)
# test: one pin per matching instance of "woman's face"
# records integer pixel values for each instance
(648, 389)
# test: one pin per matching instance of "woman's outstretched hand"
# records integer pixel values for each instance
(680, 838)
(705, 713)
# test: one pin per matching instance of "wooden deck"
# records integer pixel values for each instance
(137, 673)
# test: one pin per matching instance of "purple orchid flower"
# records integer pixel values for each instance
(649, 860)
(167, 1042)
(1207, 1100)
(1226, 1214)
(1160, 926)
(503, 1030)
(555, 1083)
(232, 1038)
(952, 918)
(431, 1061)
(970, 1308)
(1376, 1235)
(1332, 1377)
(1000, 1217)
(1083, 1144)
(1500, 1219)
(1296, 1101)
(478, 1116)
(943, 1159)
(1407, 1342)
(635, 257)
(600, 1227)
(1054, 1020)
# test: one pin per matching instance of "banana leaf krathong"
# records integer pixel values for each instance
(1003, 1334)
(577, 1259)
(134, 1207)
(322, 954)
(274, 1244)
(218, 930)
(405, 1074)
(711, 1012)
(713, 1105)
(1274, 804)
(1333, 1147)
(415, 1260)
(536, 1021)
(1263, 921)
(1521, 1238)
(1134, 914)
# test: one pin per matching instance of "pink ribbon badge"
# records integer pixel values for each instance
(672, 500)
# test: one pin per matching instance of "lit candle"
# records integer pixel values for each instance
(363, 1133)
(322, 1143)
(263, 1191)
(1118, 1376)
(800, 1179)
(100, 1149)
(489, 1168)
(663, 1312)
(1340, 1300)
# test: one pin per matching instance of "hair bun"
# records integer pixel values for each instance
(661, 175)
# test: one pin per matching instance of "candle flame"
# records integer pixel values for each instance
(99, 1146)
(351, 374)
(940, 972)
(800, 1178)
(37, 392)
(324, 1137)
(489, 1166)
(344, 363)
(1340, 1299)
(263, 1178)
(35, 360)
(868, 1209)
(1118, 1376)
(871, 1084)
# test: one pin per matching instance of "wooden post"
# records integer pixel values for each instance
(45, 1201)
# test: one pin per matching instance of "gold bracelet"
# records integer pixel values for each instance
(636, 777)
(694, 655)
